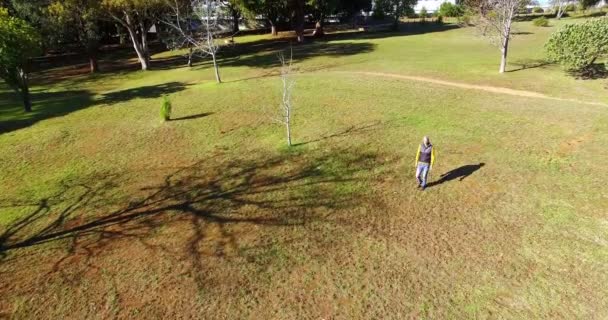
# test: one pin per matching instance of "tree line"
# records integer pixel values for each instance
(88, 22)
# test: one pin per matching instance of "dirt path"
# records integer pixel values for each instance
(500, 90)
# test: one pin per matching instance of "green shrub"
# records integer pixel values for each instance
(578, 46)
(541, 22)
(447, 9)
(538, 10)
(165, 109)
(570, 8)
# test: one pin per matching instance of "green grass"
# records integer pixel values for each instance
(210, 215)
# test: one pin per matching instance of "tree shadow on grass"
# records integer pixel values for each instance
(525, 64)
(289, 189)
(47, 104)
(593, 72)
(359, 129)
(459, 173)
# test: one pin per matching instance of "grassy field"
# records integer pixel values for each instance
(105, 212)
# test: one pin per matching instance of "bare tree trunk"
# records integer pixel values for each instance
(121, 35)
(190, 53)
(217, 69)
(273, 28)
(139, 49)
(93, 64)
(504, 51)
(144, 41)
(560, 10)
(235, 21)
(25, 90)
(299, 19)
(319, 32)
(288, 127)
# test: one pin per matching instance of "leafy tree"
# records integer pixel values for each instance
(271, 10)
(18, 43)
(320, 9)
(423, 14)
(137, 16)
(297, 7)
(447, 9)
(83, 17)
(234, 9)
(396, 8)
(578, 46)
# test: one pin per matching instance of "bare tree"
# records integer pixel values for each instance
(200, 40)
(286, 108)
(495, 22)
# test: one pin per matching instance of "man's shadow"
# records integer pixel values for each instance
(458, 173)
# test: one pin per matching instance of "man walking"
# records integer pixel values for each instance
(425, 158)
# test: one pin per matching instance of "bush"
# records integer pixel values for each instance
(570, 8)
(541, 22)
(165, 109)
(578, 46)
(538, 10)
(447, 9)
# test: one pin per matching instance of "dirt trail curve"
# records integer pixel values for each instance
(501, 90)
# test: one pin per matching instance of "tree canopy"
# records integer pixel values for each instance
(19, 41)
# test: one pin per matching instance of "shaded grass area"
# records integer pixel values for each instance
(116, 214)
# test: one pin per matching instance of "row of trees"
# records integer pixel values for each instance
(84, 21)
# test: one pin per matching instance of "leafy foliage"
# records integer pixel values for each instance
(165, 109)
(541, 22)
(578, 46)
(447, 9)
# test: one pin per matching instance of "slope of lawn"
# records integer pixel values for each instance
(105, 212)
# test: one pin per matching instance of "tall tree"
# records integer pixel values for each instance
(396, 8)
(298, 18)
(83, 17)
(271, 10)
(234, 9)
(319, 10)
(137, 16)
(496, 20)
(18, 43)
